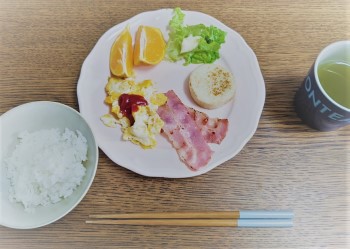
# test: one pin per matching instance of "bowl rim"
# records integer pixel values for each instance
(94, 150)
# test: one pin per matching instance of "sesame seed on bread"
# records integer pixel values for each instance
(211, 86)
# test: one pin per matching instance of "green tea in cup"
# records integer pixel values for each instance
(323, 100)
(334, 77)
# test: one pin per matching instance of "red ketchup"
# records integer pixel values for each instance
(129, 103)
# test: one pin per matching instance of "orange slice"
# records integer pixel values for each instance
(121, 55)
(149, 46)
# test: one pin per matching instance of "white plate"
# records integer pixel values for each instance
(243, 112)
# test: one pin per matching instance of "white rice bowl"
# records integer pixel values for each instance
(57, 189)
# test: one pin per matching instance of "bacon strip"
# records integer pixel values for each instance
(213, 129)
(183, 133)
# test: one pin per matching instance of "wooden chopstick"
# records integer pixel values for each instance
(198, 222)
(243, 218)
(245, 214)
(168, 222)
(170, 215)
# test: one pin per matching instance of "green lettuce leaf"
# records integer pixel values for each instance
(208, 47)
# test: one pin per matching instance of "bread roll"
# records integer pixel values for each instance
(211, 86)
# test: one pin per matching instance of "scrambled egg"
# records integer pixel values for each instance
(147, 123)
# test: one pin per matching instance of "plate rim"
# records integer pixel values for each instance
(253, 61)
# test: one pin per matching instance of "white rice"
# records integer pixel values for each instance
(46, 166)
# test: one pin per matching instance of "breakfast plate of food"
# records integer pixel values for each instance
(171, 93)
